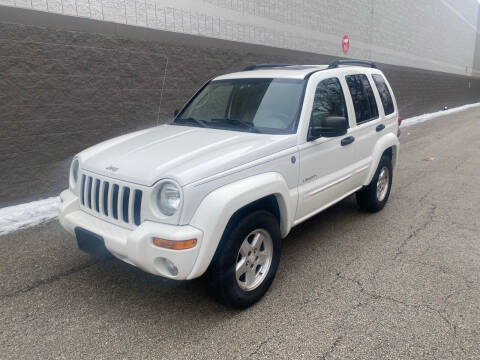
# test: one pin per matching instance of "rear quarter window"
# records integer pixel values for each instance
(385, 95)
(362, 96)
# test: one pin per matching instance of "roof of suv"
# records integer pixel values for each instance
(291, 71)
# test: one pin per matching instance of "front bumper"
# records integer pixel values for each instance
(135, 246)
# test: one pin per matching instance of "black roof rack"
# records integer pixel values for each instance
(263, 66)
(335, 64)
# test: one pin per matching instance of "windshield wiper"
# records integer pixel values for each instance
(236, 123)
(201, 123)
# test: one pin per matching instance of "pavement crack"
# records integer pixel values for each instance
(332, 348)
(416, 231)
(375, 296)
(49, 280)
(255, 352)
(464, 226)
(443, 269)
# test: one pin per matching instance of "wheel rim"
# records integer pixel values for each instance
(383, 183)
(254, 259)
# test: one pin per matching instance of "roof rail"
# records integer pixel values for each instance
(335, 64)
(263, 66)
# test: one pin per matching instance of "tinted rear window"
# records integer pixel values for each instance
(362, 97)
(385, 96)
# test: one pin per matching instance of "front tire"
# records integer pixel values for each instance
(245, 266)
(374, 196)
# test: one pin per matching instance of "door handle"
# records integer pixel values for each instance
(348, 140)
(380, 127)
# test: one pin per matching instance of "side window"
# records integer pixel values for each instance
(384, 93)
(362, 97)
(329, 101)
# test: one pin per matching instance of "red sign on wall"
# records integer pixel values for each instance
(345, 44)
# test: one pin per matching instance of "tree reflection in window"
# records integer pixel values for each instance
(329, 101)
(385, 96)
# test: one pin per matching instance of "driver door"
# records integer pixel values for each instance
(326, 163)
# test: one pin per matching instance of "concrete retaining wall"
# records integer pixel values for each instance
(433, 35)
(67, 83)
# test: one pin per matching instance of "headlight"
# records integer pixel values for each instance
(168, 198)
(74, 173)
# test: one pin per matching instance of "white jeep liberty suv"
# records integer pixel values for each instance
(251, 155)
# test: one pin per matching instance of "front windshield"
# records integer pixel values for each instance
(255, 105)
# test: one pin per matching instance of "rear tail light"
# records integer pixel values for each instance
(399, 123)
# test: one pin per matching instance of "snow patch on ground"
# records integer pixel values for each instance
(425, 117)
(17, 217)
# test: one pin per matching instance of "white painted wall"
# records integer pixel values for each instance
(429, 34)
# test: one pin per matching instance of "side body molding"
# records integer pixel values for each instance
(226, 200)
(385, 142)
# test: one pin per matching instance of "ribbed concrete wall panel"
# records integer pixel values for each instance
(434, 35)
(67, 83)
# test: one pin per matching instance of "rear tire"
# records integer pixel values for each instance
(374, 196)
(244, 267)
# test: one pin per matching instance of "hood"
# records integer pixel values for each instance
(185, 154)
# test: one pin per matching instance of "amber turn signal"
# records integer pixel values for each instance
(175, 245)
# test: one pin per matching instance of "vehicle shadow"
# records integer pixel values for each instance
(159, 297)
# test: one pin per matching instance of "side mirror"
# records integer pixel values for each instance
(175, 113)
(331, 126)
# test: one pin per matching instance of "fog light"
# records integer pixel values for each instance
(175, 245)
(172, 269)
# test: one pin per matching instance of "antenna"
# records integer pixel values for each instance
(161, 91)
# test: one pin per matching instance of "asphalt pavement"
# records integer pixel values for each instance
(400, 284)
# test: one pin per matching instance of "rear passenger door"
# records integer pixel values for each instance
(369, 122)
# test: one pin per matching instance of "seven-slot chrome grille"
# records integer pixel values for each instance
(115, 201)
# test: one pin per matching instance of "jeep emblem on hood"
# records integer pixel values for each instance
(112, 168)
